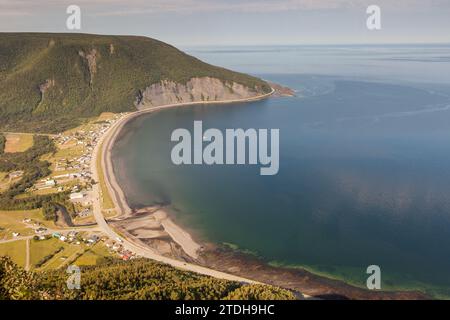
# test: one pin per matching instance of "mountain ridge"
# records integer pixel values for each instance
(51, 81)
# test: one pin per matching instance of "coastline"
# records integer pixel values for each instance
(177, 233)
(219, 262)
(103, 150)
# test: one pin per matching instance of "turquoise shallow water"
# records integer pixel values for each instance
(364, 167)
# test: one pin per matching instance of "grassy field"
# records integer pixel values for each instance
(105, 116)
(93, 255)
(81, 255)
(4, 182)
(43, 248)
(110, 213)
(11, 221)
(68, 152)
(40, 249)
(45, 191)
(16, 142)
(15, 250)
(84, 220)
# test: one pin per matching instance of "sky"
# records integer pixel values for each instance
(239, 22)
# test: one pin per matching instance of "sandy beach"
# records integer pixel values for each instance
(178, 235)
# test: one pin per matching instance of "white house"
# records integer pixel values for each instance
(76, 196)
(50, 183)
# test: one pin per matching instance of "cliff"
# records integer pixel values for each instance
(195, 90)
(50, 82)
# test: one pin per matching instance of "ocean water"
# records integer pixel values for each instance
(364, 164)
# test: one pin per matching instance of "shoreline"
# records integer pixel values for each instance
(178, 234)
(216, 263)
(103, 150)
(220, 263)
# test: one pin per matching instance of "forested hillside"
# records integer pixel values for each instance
(48, 82)
(136, 279)
(2, 143)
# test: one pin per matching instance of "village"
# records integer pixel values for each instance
(71, 165)
(62, 241)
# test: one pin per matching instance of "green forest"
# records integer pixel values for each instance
(2, 143)
(50, 82)
(138, 279)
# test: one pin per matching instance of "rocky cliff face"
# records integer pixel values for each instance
(195, 90)
(51, 82)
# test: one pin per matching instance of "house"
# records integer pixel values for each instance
(40, 230)
(93, 239)
(109, 244)
(15, 234)
(62, 238)
(126, 255)
(26, 220)
(50, 183)
(76, 196)
(62, 176)
(72, 234)
(56, 235)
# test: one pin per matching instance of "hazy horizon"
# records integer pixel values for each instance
(239, 22)
(218, 45)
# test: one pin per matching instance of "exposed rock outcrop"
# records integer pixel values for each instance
(43, 87)
(195, 90)
(281, 91)
(91, 58)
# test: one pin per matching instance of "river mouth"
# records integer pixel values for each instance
(362, 181)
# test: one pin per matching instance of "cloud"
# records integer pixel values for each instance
(137, 7)
(258, 6)
(14, 13)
